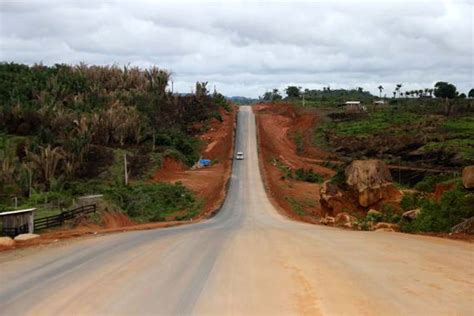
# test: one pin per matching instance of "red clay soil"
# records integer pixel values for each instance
(118, 222)
(276, 124)
(208, 183)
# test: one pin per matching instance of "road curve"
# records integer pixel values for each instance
(247, 260)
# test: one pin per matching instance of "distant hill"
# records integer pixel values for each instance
(242, 100)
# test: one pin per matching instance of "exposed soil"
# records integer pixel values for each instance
(276, 126)
(208, 184)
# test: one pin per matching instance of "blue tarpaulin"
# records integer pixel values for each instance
(205, 162)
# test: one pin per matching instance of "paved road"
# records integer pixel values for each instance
(247, 260)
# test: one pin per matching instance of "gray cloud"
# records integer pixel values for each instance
(246, 47)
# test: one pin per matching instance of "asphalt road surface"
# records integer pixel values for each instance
(247, 260)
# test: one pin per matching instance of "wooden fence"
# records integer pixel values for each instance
(58, 220)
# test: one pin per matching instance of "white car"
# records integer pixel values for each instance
(239, 156)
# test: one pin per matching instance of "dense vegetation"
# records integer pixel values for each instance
(65, 126)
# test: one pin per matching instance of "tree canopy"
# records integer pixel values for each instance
(445, 90)
(293, 92)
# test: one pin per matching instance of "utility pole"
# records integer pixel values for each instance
(303, 98)
(125, 169)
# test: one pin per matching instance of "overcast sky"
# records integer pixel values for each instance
(247, 47)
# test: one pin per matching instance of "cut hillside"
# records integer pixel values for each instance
(292, 170)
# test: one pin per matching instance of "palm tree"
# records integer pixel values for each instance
(397, 89)
(380, 89)
(407, 93)
(46, 162)
(394, 94)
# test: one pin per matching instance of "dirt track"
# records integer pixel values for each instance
(247, 260)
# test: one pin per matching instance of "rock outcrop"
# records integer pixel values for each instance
(370, 180)
(328, 220)
(468, 177)
(344, 219)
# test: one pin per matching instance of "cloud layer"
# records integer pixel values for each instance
(245, 48)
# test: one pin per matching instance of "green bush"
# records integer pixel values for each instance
(410, 201)
(299, 142)
(339, 178)
(152, 201)
(454, 207)
(308, 175)
(428, 184)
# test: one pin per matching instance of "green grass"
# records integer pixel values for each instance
(462, 146)
(295, 205)
(375, 123)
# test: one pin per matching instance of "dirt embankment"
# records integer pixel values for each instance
(207, 183)
(285, 140)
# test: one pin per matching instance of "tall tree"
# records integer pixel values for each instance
(398, 87)
(471, 93)
(380, 90)
(293, 92)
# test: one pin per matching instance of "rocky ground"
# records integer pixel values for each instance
(361, 196)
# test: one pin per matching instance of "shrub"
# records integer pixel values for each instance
(339, 178)
(410, 201)
(152, 201)
(428, 183)
(454, 207)
(299, 142)
(308, 176)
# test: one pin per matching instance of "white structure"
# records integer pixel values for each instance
(352, 103)
(354, 106)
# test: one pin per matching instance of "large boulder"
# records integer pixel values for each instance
(330, 197)
(25, 237)
(334, 200)
(6, 242)
(370, 179)
(468, 177)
